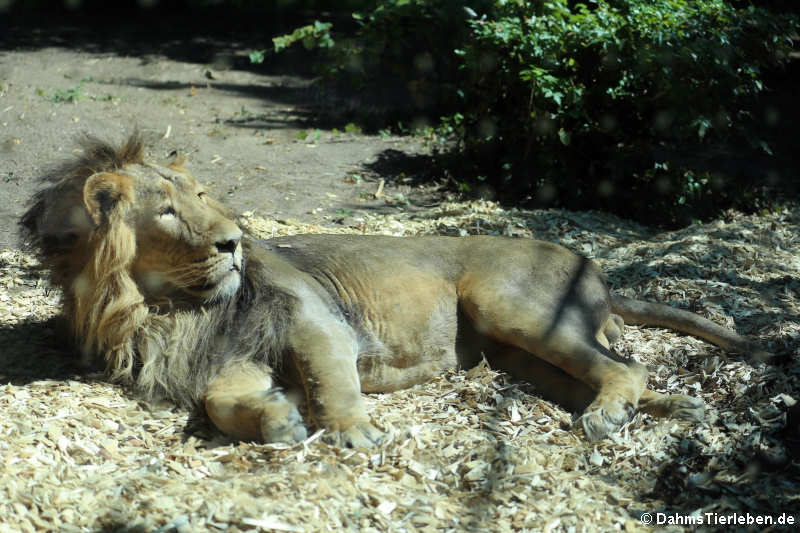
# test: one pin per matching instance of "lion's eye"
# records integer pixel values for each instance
(202, 195)
(168, 211)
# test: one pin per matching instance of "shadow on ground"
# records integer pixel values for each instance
(208, 36)
(35, 351)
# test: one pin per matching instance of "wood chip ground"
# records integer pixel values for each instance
(469, 451)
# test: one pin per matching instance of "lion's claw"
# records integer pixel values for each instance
(361, 435)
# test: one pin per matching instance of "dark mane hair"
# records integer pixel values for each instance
(37, 223)
(100, 156)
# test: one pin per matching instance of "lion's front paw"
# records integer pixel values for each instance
(282, 423)
(360, 435)
(601, 419)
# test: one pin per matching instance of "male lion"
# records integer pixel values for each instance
(159, 280)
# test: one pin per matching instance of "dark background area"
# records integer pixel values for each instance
(209, 32)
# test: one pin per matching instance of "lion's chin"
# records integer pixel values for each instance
(220, 290)
(227, 287)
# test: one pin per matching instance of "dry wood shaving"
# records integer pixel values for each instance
(470, 450)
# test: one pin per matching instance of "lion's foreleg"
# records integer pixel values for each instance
(325, 351)
(242, 402)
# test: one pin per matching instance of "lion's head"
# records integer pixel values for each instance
(121, 235)
(175, 240)
(186, 244)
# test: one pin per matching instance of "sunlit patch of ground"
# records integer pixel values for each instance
(469, 450)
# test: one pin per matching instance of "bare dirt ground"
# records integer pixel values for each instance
(470, 451)
(249, 133)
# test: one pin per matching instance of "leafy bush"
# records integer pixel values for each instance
(604, 104)
(402, 54)
(586, 105)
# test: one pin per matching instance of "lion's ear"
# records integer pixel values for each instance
(175, 160)
(103, 192)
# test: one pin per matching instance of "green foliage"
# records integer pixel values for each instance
(73, 95)
(316, 35)
(257, 56)
(403, 49)
(352, 128)
(69, 96)
(600, 104)
(572, 102)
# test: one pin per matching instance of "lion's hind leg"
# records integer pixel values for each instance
(573, 338)
(654, 403)
(672, 406)
(243, 403)
(555, 385)
(619, 385)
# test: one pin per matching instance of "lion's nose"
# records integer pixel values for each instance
(228, 245)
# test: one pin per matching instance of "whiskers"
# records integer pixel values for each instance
(211, 279)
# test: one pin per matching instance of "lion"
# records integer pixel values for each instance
(161, 284)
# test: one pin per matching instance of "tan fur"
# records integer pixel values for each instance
(157, 283)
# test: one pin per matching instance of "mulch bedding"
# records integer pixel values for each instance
(470, 450)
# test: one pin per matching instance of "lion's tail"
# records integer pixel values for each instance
(636, 312)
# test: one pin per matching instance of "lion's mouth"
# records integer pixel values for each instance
(226, 280)
(208, 285)
(204, 287)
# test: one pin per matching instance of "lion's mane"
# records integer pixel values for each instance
(163, 351)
